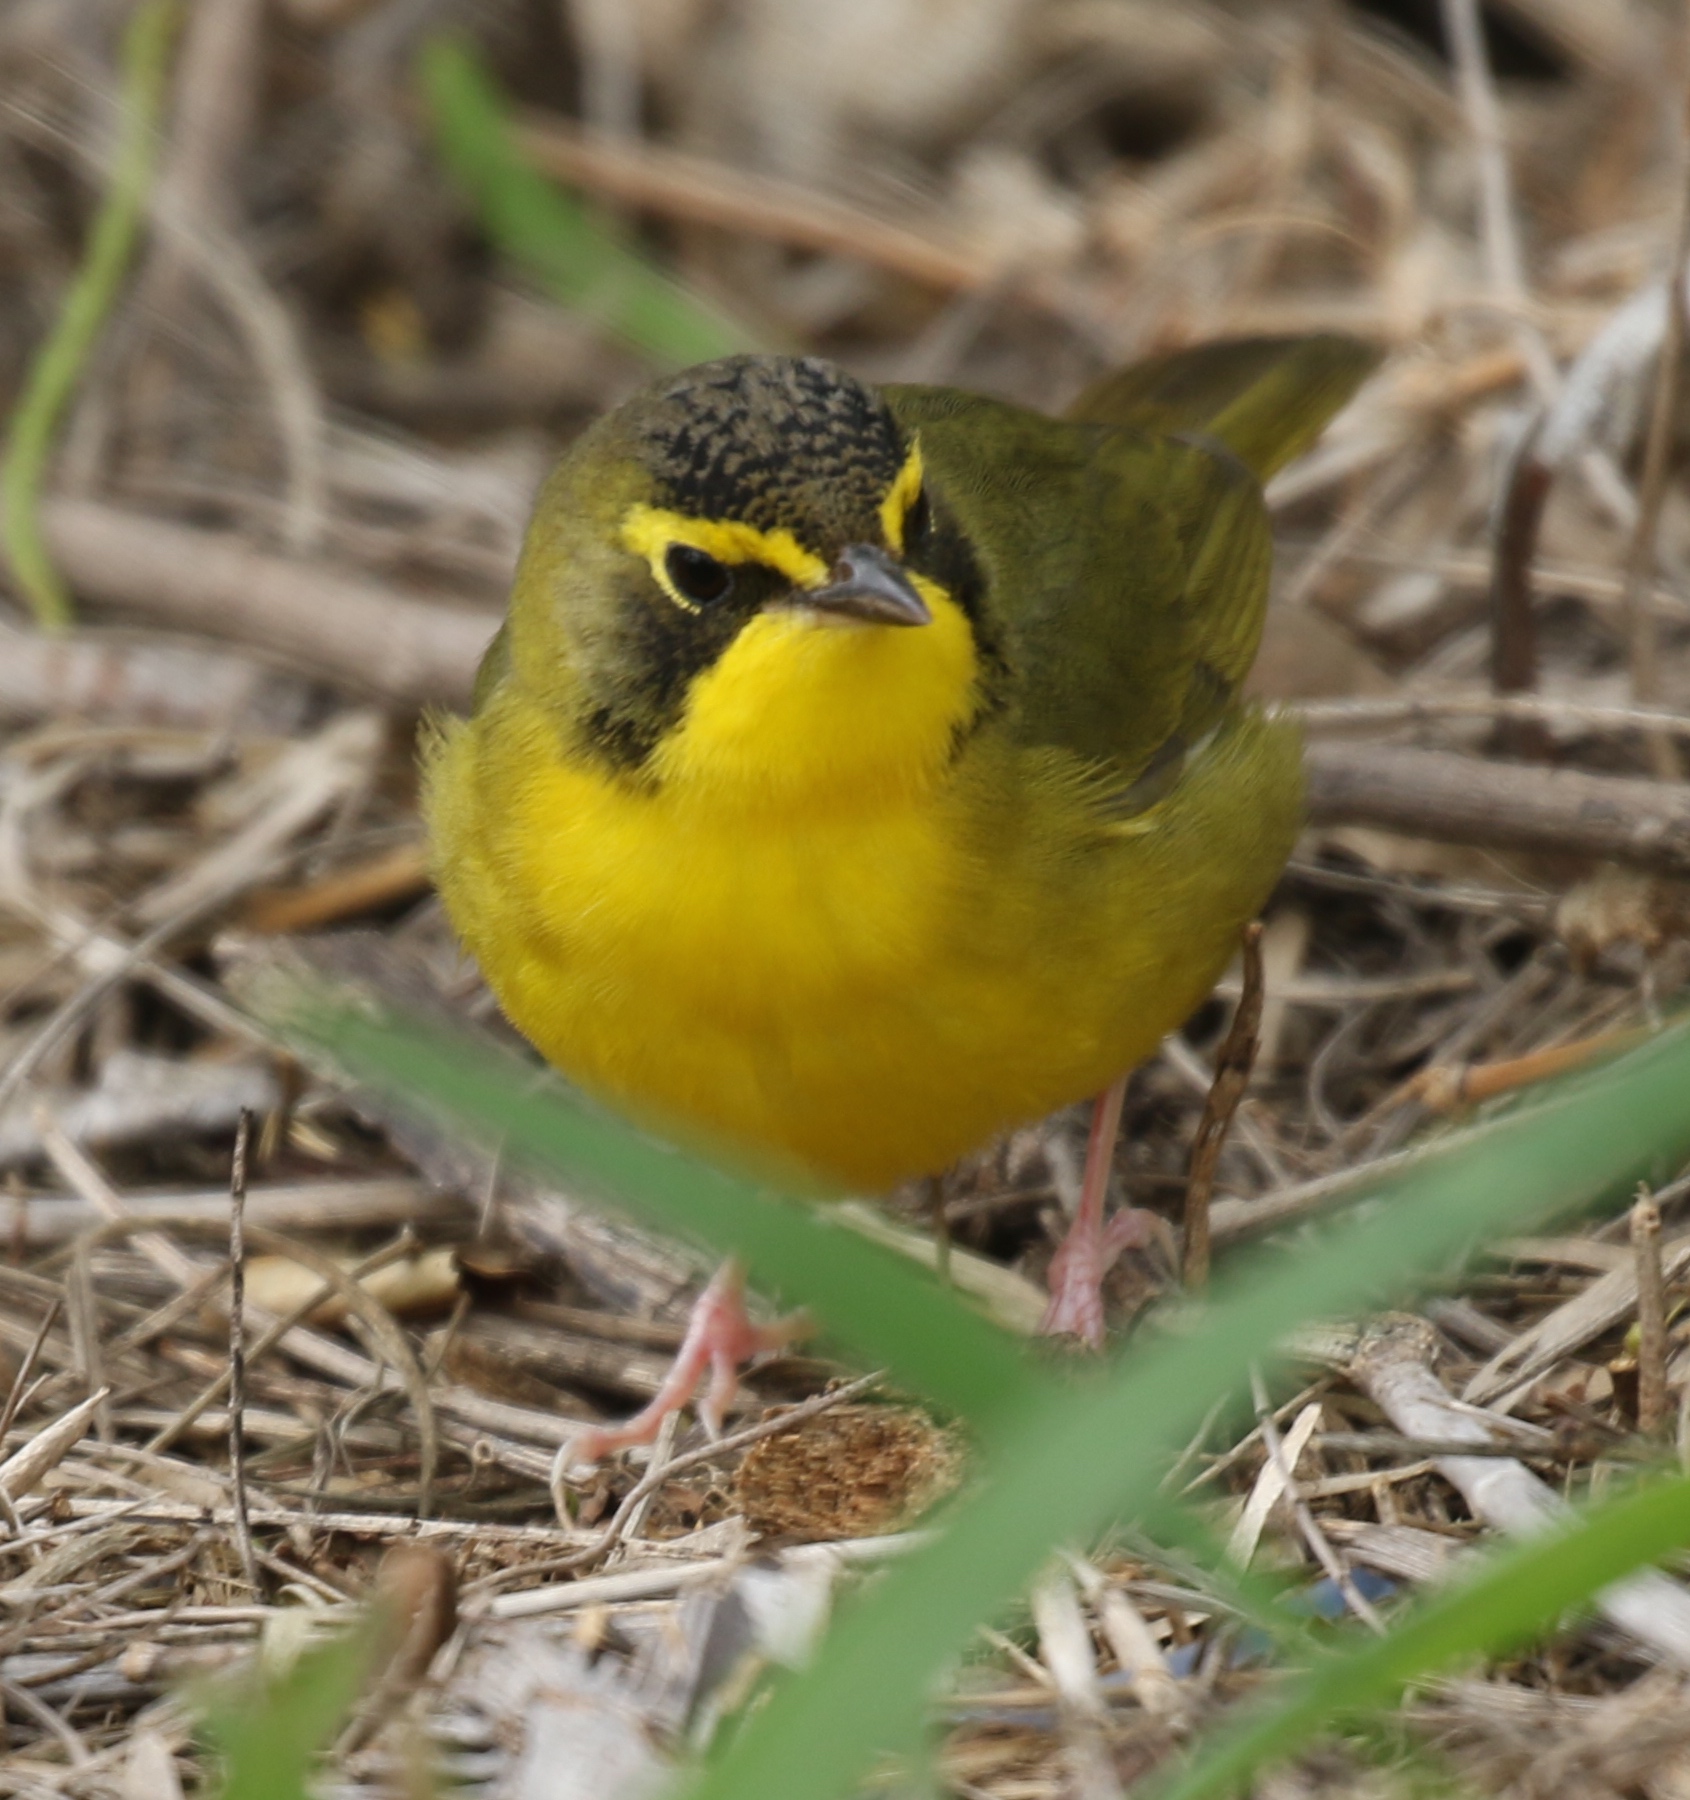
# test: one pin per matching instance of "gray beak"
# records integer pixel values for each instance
(867, 584)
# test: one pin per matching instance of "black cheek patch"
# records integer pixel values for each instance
(949, 558)
(646, 665)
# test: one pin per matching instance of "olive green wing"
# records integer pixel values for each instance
(1126, 567)
(1265, 398)
(1125, 574)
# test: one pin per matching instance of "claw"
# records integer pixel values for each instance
(720, 1337)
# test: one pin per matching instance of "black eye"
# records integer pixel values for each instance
(696, 575)
(918, 521)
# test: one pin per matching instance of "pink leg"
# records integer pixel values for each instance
(719, 1337)
(1089, 1250)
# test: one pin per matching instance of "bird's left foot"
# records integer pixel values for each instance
(721, 1337)
(1085, 1256)
(1089, 1250)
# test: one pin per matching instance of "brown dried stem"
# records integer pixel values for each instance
(1657, 447)
(1447, 1087)
(1513, 621)
(20, 1382)
(1233, 1063)
(704, 192)
(1465, 800)
(271, 1335)
(1651, 1316)
(349, 628)
(237, 1348)
(1498, 229)
(1308, 1526)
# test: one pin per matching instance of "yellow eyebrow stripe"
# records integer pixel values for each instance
(649, 531)
(901, 497)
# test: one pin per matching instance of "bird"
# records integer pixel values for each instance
(862, 770)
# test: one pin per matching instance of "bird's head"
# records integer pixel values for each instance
(744, 579)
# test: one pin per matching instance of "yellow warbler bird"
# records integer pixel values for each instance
(861, 771)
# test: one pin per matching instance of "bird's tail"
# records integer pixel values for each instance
(1265, 398)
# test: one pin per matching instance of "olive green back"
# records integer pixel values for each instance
(1128, 566)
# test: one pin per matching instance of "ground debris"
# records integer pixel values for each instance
(289, 499)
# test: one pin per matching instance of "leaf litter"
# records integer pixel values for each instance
(316, 389)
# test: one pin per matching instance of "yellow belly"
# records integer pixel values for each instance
(854, 993)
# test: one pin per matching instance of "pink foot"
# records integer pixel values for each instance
(1090, 1249)
(721, 1337)
(1079, 1266)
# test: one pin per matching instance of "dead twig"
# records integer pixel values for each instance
(218, 70)
(1499, 231)
(1308, 1526)
(20, 1382)
(237, 1349)
(703, 192)
(1233, 1063)
(20, 1472)
(82, 1314)
(1640, 559)
(1424, 708)
(143, 678)
(82, 1175)
(370, 1204)
(608, 37)
(415, 1603)
(384, 880)
(1068, 1654)
(1597, 1308)
(1651, 1316)
(23, 1701)
(273, 1333)
(1465, 800)
(1394, 1368)
(312, 777)
(356, 632)
(1513, 652)
(1447, 1087)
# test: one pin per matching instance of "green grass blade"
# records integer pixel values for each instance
(59, 363)
(1521, 1593)
(270, 1732)
(581, 263)
(1166, 1532)
(1091, 1455)
(1091, 1451)
(888, 1310)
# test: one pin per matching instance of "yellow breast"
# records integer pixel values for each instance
(825, 939)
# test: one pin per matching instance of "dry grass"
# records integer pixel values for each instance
(316, 377)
